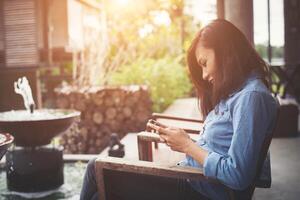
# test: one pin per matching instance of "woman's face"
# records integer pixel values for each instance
(206, 59)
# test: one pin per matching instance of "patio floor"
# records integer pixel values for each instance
(285, 162)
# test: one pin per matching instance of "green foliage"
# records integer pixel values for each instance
(125, 42)
(166, 77)
(262, 49)
(143, 51)
(277, 51)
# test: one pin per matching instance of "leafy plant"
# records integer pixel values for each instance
(166, 77)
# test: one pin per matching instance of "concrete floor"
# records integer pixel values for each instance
(285, 165)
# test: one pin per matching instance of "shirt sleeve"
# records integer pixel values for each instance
(252, 116)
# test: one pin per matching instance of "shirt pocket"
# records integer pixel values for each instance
(218, 119)
(221, 113)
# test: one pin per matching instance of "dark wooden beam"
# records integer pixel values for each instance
(269, 33)
(220, 9)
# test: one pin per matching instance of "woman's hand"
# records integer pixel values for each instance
(177, 139)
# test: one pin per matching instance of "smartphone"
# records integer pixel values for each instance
(152, 121)
(154, 125)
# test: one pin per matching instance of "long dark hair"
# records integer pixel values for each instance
(235, 60)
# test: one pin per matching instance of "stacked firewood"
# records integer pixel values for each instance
(104, 110)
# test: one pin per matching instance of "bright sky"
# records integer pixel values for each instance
(261, 22)
(205, 11)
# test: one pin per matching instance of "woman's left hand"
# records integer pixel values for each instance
(177, 139)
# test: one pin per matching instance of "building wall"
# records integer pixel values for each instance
(75, 26)
(20, 28)
(40, 23)
(58, 23)
(1, 28)
(67, 31)
(2, 60)
(292, 31)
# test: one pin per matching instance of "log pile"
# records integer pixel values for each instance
(104, 110)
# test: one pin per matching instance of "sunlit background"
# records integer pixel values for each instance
(118, 61)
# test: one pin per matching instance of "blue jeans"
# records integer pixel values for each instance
(89, 186)
(131, 186)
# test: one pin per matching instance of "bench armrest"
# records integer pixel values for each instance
(165, 116)
(188, 129)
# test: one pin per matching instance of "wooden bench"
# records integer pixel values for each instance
(164, 162)
(161, 166)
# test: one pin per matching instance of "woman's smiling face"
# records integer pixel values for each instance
(206, 59)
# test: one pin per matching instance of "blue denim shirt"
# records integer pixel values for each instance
(233, 134)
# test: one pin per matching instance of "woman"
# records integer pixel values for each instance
(232, 85)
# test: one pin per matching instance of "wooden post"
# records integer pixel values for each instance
(100, 180)
(220, 9)
(240, 13)
(145, 149)
(291, 32)
(145, 140)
